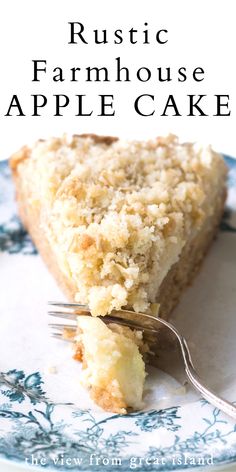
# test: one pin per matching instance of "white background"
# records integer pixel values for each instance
(200, 34)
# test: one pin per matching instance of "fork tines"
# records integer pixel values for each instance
(122, 317)
(69, 305)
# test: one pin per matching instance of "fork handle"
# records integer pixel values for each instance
(195, 380)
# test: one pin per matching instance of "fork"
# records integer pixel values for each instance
(152, 328)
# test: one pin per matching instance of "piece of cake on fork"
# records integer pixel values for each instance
(119, 224)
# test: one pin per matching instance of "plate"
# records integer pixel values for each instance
(48, 420)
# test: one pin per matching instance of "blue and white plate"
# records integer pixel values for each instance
(47, 419)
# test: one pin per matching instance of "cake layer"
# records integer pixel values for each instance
(113, 367)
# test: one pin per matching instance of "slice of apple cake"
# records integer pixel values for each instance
(120, 224)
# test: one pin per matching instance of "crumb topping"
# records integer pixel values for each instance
(118, 214)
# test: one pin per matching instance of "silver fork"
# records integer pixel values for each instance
(153, 332)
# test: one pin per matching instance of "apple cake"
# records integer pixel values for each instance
(119, 224)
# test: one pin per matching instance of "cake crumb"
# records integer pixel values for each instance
(51, 369)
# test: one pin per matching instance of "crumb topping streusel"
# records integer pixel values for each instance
(118, 215)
